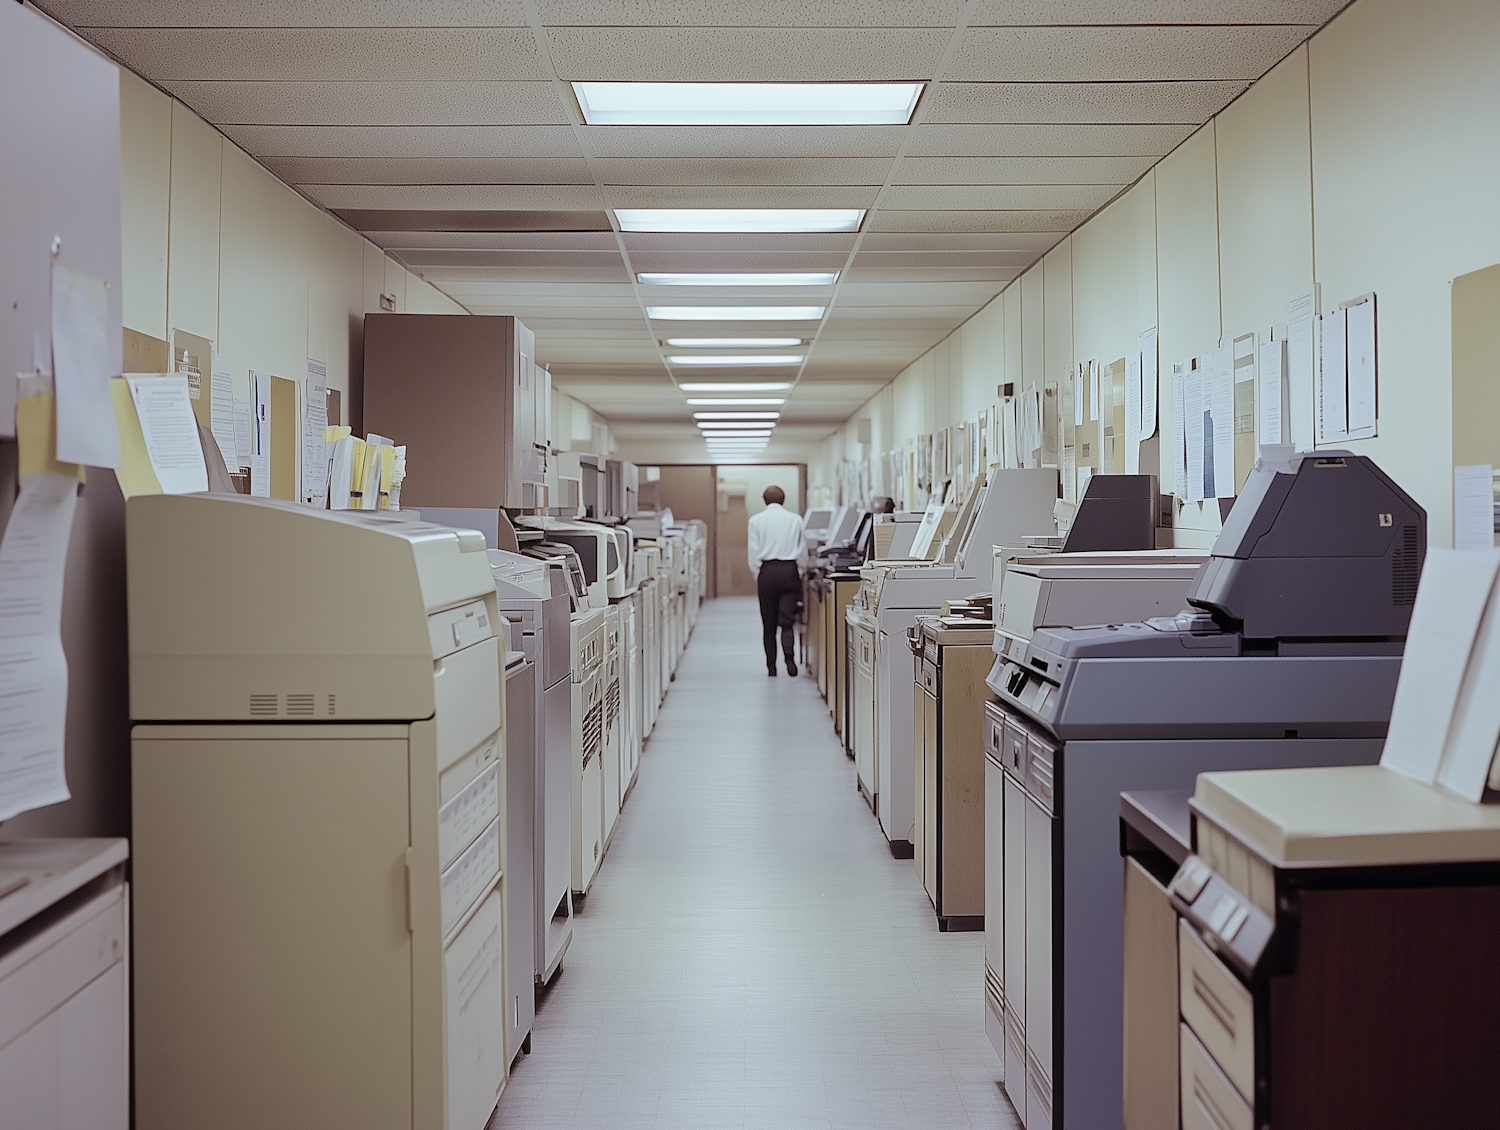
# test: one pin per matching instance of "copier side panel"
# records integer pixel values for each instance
(1092, 776)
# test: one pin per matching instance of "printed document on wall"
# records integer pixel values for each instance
(81, 368)
(1301, 362)
(33, 668)
(1133, 414)
(1332, 377)
(1150, 377)
(1197, 425)
(164, 407)
(1221, 392)
(260, 434)
(1179, 430)
(1361, 362)
(1270, 427)
(1474, 506)
(221, 411)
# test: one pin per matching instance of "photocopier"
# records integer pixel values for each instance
(1287, 655)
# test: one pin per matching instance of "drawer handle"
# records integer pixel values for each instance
(1210, 1108)
(1216, 1007)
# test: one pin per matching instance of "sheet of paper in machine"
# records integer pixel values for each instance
(81, 364)
(33, 668)
(170, 430)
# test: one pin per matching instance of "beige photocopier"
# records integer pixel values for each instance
(316, 786)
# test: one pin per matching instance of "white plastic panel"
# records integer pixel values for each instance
(470, 875)
(465, 817)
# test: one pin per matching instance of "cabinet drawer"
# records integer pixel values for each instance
(1209, 1100)
(929, 678)
(994, 735)
(1218, 1008)
(1014, 757)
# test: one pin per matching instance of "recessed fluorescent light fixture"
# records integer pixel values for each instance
(741, 386)
(713, 359)
(747, 103)
(799, 278)
(758, 220)
(736, 415)
(733, 342)
(736, 425)
(738, 401)
(735, 313)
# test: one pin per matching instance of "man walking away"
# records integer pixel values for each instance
(776, 550)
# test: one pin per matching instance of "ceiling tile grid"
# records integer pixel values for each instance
(447, 132)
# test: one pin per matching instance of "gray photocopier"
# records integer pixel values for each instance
(1287, 655)
(534, 597)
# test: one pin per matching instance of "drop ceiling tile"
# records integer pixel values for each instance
(455, 196)
(326, 54)
(1121, 54)
(1031, 242)
(740, 196)
(887, 220)
(430, 170)
(775, 54)
(837, 243)
(1054, 12)
(430, 260)
(1000, 275)
(744, 141)
(733, 261)
(1021, 170)
(1020, 103)
(405, 141)
(1060, 197)
(743, 171)
(287, 13)
(1122, 140)
(915, 297)
(761, 13)
(373, 103)
(495, 241)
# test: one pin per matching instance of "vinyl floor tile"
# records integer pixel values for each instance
(750, 955)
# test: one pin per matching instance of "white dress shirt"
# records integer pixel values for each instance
(775, 535)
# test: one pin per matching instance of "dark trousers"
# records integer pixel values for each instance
(780, 589)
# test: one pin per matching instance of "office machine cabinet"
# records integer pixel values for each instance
(1335, 953)
(614, 719)
(587, 777)
(1087, 713)
(478, 437)
(862, 729)
(64, 985)
(951, 657)
(318, 830)
(521, 926)
(845, 589)
(534, 596)
(814, 646)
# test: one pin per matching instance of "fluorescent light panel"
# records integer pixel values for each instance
(747, 103)
(735, 313)
(736, 425)
(733, 342)
(737, 401)
(736, 386)
(798, 278)
(761, 220)
(736, 415)
(710, 360)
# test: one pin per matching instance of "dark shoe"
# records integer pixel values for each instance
(791, 666)
(771, 671)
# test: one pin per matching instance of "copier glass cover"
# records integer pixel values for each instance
(365, 606)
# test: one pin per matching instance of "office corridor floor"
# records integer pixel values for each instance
(750, 954)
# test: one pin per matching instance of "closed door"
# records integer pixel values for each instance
(1039, 943)
(931, 785)
(1015, 943)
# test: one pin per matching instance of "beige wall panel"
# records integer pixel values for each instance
(424, 298)
(374, 277)
(1188, 248)
(1057, 339)
(193, 226)
(1265, 199)
(1406, 159)
(983, 361)
(145, 187)
(263, 271)
(320, 266)
(1033, 328)
(1141, 202)
(1011, 302)
(395, 284)
(346, 250)
(1104, 281)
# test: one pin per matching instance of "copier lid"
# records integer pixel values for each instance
(230, 594)
(521, 576)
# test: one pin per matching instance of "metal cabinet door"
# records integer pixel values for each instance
(1039, 942)
(929, 785)
(994, 903)
(1014, 940)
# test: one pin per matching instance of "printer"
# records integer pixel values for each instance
(318, 841)
(998, 510)
(598, 550)
(1287, 655)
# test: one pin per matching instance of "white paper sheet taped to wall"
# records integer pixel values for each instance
(33, 669)
(1150, 378)
(1474, 506)
(86, 431)
(221, 411)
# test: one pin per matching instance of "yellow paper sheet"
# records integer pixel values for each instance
(135, 473)
(36, 434)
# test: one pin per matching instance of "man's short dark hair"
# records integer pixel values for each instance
(773, 494)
